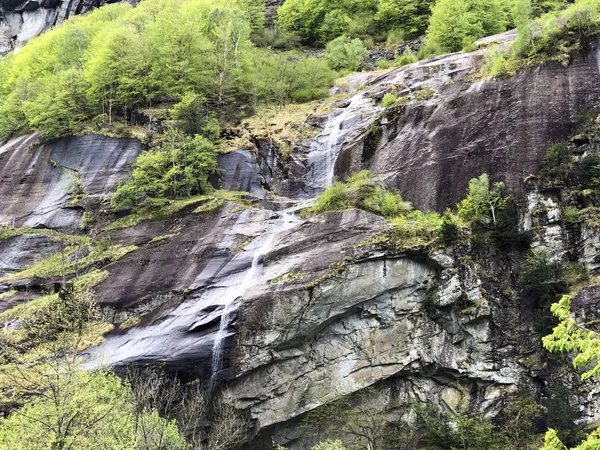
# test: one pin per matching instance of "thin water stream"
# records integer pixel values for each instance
(199, 328)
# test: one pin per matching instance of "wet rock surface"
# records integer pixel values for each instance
(38, 181)
(293, 312)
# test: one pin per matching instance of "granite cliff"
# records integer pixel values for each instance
(291, 313)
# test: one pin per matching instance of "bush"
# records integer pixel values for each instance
(330, 445)
(407, 57)
(388, 100)
(382, 64)
(344, 53)
(360, 191)
(456, 24)
(180, 168)
(406, 18)
(556, 165)
(425, 94)
(540, 281)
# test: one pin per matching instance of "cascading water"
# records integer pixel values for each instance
(326, 148)
(286, 221)
(195, 333)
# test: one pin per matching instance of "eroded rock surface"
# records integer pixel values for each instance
(38, 182)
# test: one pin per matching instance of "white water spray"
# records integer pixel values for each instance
(285, 222)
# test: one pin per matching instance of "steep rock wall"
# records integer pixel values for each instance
(23, 20)
(430, 149)
(37, 181)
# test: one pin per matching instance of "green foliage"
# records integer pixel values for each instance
(562, 31)
(570, 337)
(320, 21)
(344, 53)
(483, 201)
(180, 168)
(590, 172)
(291, 77)
(562, 415)
(361, 191)
(330, 445)
(556, 165)
(520, 415)
(410, 16)
(388, 100)
(382, 64)
(425, 94)
(102, 66)
(541, 285)
(439, 428)
(456, 24)
(407, 57)
(193, 117)
(84, 411)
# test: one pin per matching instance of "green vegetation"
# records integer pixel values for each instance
(344, 53)
(360, 421)
(86, 410)
(360, 191)
(157, 210)
(407, 57)
(74, 260)
(179, 169)
(101, 67)
(555, 36)
(456, 24)
(571, 337)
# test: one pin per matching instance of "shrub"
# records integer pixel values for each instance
(344, 53)
(360, 191)
(425, 94)
(455, 24)
(180, 168)
(330, 445)
(404, 17)
(556, 165)
(388, 100)
(540, 281)
(407, 57)
(382, 64)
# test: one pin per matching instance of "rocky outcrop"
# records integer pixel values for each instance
(292, 312)
(39, 182)
(23, 20)
(430, 149)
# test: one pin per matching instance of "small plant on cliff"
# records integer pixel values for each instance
(557, 165)
(388, 100)
(179, 168)
(483, 201)
(361, 191)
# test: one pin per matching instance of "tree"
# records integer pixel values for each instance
(483, 202)
(344, 53)
(179, 168)
(455, 24)
(330, 445)
(410, 16)
(571, 337)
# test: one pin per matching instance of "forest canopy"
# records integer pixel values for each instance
(118, 59)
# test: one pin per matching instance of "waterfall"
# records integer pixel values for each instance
(326, 148)
(285, 222)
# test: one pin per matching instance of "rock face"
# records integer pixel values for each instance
(38, 182)
(23, 20)
(292, 312)
(430, 149)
